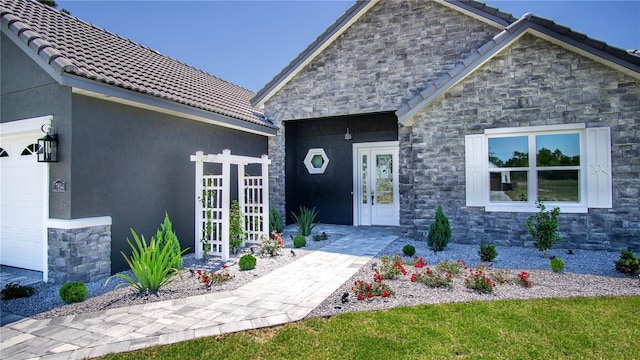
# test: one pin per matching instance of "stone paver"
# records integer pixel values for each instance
(286, 294)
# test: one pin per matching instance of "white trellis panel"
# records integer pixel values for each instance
(211, 215)
(213, 202)
(253, 209)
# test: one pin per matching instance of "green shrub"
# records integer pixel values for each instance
(556, 264)
(439, 231)
(165, 235)
(275, 221)
(628, 262)
(451, 267)
(543, 227)
(305, 220)
(73, 292)
(408, 250)
(299, 241)
(487, 252)
(247, 262)
(15, 291)
(152, 266)
(237, 234)
(433, 278)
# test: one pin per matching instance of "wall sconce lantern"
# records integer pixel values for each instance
(347, 135)
(48, 146)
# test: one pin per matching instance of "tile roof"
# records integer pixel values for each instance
(72, 46)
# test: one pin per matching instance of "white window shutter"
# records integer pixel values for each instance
(599, 176)
(476, 170)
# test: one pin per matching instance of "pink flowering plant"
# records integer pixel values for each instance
(369, 290)
(479, 280)
(391, 268)
(523, 279)
(271, 245)
(210, 278)
(433, 278)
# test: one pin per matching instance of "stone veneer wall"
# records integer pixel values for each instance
(531, 83)
(79, 254)
(384, 59)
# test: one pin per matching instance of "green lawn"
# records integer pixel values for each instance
(577, 328)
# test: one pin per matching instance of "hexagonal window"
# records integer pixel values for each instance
(316, 161)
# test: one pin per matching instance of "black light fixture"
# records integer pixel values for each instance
(347, 135)
(48, 146)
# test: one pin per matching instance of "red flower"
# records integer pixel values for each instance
(414, 277)
(370, 295)
(385, 293)
(360, 296)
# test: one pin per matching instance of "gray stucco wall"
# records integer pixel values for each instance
(531, 83)
(27, 91)
(133, 165)
(384, 59)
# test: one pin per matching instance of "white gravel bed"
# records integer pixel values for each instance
(587, 273)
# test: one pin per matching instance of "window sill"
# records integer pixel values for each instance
(529, 208)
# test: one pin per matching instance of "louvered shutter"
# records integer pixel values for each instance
(476, 170)
(599, 179)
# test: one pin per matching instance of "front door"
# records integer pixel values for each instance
(376, 190)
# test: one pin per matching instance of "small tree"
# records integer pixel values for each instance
(439, 231)
(543, 227)
(166, 235)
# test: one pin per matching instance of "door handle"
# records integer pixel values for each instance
(372, 198)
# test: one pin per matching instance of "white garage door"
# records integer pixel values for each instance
(22, 186)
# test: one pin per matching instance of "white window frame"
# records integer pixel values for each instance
(594, 177)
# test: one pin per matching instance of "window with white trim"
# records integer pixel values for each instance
(563, 165)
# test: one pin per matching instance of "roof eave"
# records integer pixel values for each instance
(92, 88)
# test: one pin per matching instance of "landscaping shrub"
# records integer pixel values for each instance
(452, 267)
(275, 221)
(152, 266)
(543, 227)
(299, 241)
(523, 279)
(165, 235)
(271, 245)
(247, 262)
(408, 250)
(500, 276)
(365, 290)
(556, 264)
(487, 252)
(439, 231)
(15, 291)
(210, 277)
(479, 280)
(73, 292)
(628, 263)
(305, 220)
(433, 278)
(391, 268)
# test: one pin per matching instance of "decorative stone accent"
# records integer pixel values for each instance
(395, 50)
(531, 83)
(79, 254)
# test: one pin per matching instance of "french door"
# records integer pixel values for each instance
(375, 184)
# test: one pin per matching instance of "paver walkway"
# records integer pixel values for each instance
(287, 294)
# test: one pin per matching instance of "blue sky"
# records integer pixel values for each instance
(249, 42)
